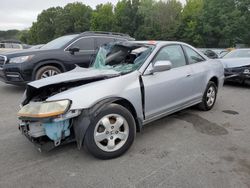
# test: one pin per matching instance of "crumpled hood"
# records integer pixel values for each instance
(235, 62)
(75, 75)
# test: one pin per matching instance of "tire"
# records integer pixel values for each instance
(207, 104)
(47, 71)
(113, 139)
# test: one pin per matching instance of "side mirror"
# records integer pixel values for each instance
(161, 66)
(74, 50)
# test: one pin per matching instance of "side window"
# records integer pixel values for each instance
(173, 53)
(193, 56)
(84, 44)
(100, 41)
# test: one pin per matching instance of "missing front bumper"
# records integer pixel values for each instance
(47, 134)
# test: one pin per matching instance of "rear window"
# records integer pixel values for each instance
(102, 40)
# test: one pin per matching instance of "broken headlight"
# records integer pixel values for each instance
(44, 109)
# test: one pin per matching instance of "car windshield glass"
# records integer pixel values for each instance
(123, 57)
(58, 43)
(238, 54)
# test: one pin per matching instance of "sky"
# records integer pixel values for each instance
(19, 14)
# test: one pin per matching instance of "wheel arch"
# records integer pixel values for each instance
(82, 122)
(52, 62)
(215, 80)
(128, 105)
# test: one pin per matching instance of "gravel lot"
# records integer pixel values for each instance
(188, 149)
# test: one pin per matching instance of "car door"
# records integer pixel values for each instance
(199, 71)
(168, 90)
(86, 51)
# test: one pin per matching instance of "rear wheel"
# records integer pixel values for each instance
(209, 97)
(111, 132)
(47, 71)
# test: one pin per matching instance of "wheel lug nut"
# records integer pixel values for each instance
(116, 132)
(111, 137)
(112, 127)
(107, 132)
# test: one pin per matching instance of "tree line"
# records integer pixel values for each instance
(202, 23)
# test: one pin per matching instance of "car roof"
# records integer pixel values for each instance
(104, 33)
(159, 43)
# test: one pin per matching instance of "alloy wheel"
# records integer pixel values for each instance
(49, 73)
(111, 132)
(211, 95)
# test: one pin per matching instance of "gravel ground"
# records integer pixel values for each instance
(188, 149)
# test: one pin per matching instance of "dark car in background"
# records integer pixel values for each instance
(237, 65)
(60, 55)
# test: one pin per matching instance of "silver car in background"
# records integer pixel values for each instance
(237, 65)
(129, 85)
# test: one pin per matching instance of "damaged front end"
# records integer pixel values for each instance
(237, 73)
(48, 124)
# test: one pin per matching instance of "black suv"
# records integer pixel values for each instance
(57, 56)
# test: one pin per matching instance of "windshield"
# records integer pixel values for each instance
(238, 54)
(58, 43)
(123, 57)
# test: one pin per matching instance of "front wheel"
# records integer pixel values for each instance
(47, 71)
(209, 97)
(111, 132)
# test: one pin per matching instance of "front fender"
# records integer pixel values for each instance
(82, 122)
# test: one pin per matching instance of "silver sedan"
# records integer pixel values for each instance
(128, 85)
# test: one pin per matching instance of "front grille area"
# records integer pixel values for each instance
(2, 61)
(237, 69)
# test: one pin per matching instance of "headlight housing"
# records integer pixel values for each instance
(20, 59)
(44, 109)
(246, 71)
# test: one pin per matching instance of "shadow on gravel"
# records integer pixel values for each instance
(231, 112)
(202, 125)
(58, 150)
(246, 85)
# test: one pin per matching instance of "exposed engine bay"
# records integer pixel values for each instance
(41, 94)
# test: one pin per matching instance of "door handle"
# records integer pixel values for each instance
(188, 75)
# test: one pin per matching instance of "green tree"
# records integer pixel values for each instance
(127, 18)
(74, 18)
(103, 18)
(224, 23)
(190, 29)
(160, 19)
(44, 29)
(23, 36)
